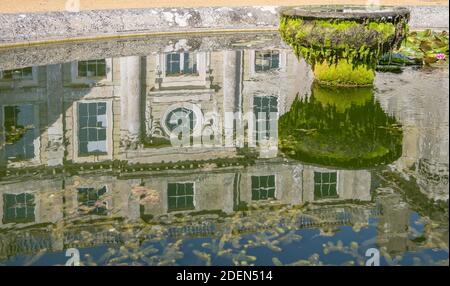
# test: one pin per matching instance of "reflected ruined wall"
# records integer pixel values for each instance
(424, 117)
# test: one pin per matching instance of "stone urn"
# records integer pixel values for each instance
(343, 44)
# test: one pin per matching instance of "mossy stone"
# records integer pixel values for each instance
(344, 44)
(343, 73)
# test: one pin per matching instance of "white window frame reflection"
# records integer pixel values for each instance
(267, 125)
(176, 196)
(96, 189)
(260, 189)
(109, 133)
(19, 81)
(35, 160)
(35, 208)
(322, 171)
(76, 79)
(281, 62)
(192, 71)
(181, 80)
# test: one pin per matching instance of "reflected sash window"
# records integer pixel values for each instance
(89, 201)
(265, 109)
(92, 125)
(92, 68)
(19, 132)
(181, 64)
(266, 60)
(18, 208)
(263, 187)
(325, 185)
(180, 196)
(17, 74)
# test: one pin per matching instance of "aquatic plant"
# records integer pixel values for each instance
(427, 47)
(15, 133)
(342, 98)
(440, 56)
(274, 232)
(342, 42)
(352, 250)
(421, 48)
(313, 260)
(332, 130)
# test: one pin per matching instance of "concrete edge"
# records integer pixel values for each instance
(23, 56)
(68, 40)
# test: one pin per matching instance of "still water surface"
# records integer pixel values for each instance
(87, 160)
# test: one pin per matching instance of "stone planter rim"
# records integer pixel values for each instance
(336, 12)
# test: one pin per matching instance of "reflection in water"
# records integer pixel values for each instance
(87, 162)
(342, 127)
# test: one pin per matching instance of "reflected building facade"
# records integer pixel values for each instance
(80, 139)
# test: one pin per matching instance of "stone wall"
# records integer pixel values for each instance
(63, 25)
(42, 27)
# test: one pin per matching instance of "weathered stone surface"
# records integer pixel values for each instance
(37, 27)
(429, 17)
(353, 13)
(57, 25)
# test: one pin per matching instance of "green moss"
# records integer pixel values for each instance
(157, 142)
(341, 98)
(385, 30)
(345, 51)
(343, 74)
(332, 40)
(336, 128)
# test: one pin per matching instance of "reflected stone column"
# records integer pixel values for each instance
(232, 98)
(55, 130)
(123, 91)
(393, 224)
(133, 99)
(3, 160)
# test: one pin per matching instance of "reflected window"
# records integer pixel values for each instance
(18, 208)
(180, 196)
(19, 132)
(325, 185)
(265, 109)
(17, 74)
(263, 187)
(182, 118)
(92, 125)
(92, 68)
(266, 60)
(181, 64)
(89, 201)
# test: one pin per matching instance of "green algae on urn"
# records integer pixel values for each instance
(343, 73)
(350, 40)
(340, 127)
